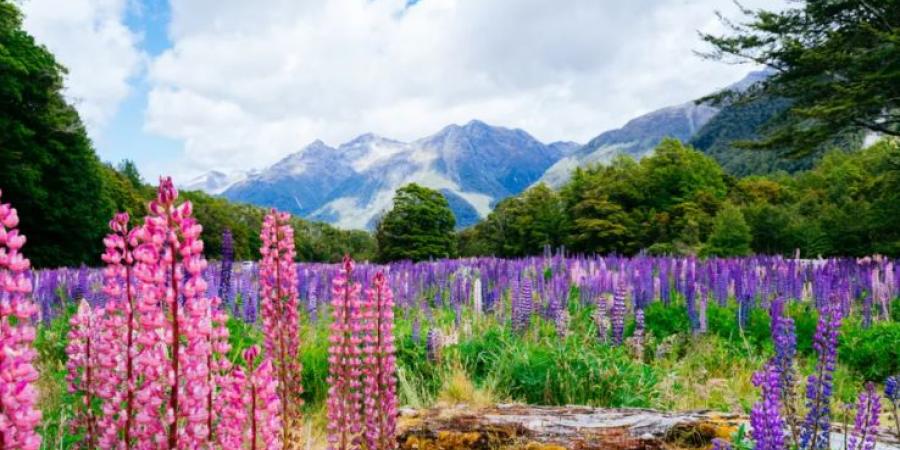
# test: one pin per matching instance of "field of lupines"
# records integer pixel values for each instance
(161, 349)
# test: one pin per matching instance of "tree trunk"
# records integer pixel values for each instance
(567, 428)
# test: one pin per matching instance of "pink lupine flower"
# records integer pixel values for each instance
(344, 364)
(175, 326)
(218, 366)
(379, 367)
(116, 344)
(18, 416)
(233, 403)
(264, 431)
(81, 366)
(280, 314)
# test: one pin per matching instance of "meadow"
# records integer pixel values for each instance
(161, 349)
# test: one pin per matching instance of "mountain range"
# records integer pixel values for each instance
(474, 165)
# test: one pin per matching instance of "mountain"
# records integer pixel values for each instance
(473, 165)
(642, 134)
(213, 182)
(743, 122)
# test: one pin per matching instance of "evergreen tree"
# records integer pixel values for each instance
(418, 227)
(836, 61)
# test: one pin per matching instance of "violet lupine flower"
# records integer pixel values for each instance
(601, 318)
(865, 426)
(785, 340)
(523, 305)
(344, 371)
(816, 428)
(720, 444)
(892, 392)
(766, 422)
(18, 416)
(380, 367)
(638, 337)
(433, 345)
(225, 291)
(280, 315)
(617, 314)
(81, 371)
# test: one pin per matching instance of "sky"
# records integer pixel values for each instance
(182, 87)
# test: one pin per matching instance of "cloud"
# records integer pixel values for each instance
(244, 84)
(89, 38)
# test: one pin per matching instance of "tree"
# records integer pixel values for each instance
(418, 227)
(837, 62)
(47, 166)
(730, 235)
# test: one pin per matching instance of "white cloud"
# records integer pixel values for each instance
(246, 83)
(90, 39)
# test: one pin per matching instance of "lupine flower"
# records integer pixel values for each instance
(379, 367)
(175, 325)
(892, 392)
(344, 371)
(433, 345)
(264, 429)
(638, 337)
(785, 340)
(280, 315)
(81, 371)
(766, 421)
(225, 292)
(865, 426)
(218, 366)
(523, 304)
(816, 428)
(117, 346)
(233, 409)
(18, 416)
(617, 314)
(720, 444)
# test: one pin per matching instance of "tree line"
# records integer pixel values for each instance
(679, 201)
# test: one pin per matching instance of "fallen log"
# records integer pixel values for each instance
(523, 427)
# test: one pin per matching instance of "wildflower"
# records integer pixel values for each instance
(865, 426)
(18, 416)
(280, 314)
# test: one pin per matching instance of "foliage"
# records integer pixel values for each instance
(679, 201)
(730, 234)
(520, 225)
(835, 61)
(418, 227)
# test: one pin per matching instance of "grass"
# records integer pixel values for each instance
(487, 362)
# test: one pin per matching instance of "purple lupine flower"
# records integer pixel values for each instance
(720, 444)
(817, 425)
(523, 304)
(416, 330)
(639, 330)
(785, 340)
(766, 423)
(225, 291)
(617, 314)
(433, 343)
(865, 426)
(892, 392)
